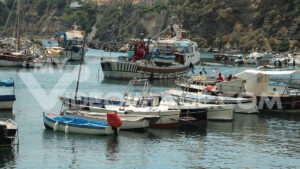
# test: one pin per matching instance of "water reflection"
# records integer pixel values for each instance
(219, 127)
(247, 123)
(112, 148)
(74, 161)
(7, 157)
(193, 128)
(281, 116)
(7, 114)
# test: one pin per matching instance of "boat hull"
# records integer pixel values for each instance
(284, 103)
(129, 122)
(7, 63)
(128, 70)
(167, 118)
(56, 126)
(73, 56)
(6, 105)
(220, 114)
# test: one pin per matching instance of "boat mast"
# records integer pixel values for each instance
(81, 62)
(19, 24)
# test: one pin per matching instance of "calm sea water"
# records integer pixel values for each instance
(250, 141)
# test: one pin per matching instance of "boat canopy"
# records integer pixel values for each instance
(257, 81)
(277, 72)
(7, 83)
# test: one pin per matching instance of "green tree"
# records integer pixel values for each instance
(283, 46)
(297, 6)
(3, 13)
(41, 6)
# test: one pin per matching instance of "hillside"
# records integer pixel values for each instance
(229, 24)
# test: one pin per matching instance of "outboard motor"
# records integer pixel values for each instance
(114, 121)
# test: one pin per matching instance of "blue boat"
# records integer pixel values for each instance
(7, 97)
(76, 125)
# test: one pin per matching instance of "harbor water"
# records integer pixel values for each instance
(263, 140)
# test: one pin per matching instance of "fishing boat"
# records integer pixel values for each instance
(143, 104)
(170, 58)
(55, 55)
(77, 125)
(73, 42)
(7, 96)
(221, 56)
(205, 90)
(8, 132)
(268, 97)
(129, 121)
(200, 111)
(12, 57)
(33, 63)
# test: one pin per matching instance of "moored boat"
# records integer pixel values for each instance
(221, 56)
(7, 98)
(267, 96)
(170, 58)
(129, 121)
(230, 91)
(56, 55)
(134, 105)
(76, 125)
(8, 132)
(73, 42)
(12, 59)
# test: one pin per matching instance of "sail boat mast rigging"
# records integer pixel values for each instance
(19, 25)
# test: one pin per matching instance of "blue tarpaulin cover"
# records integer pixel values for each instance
(7, 83)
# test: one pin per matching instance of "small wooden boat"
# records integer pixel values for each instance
(8, 132)
(7, 97)
(220, 56)
(76, 125)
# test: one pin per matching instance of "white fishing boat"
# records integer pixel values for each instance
(7, 96)
(201, 111)
(222, 91)
(76, 125)
(144, 104)
(141, 62)
(129, 121)
(73, 42)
